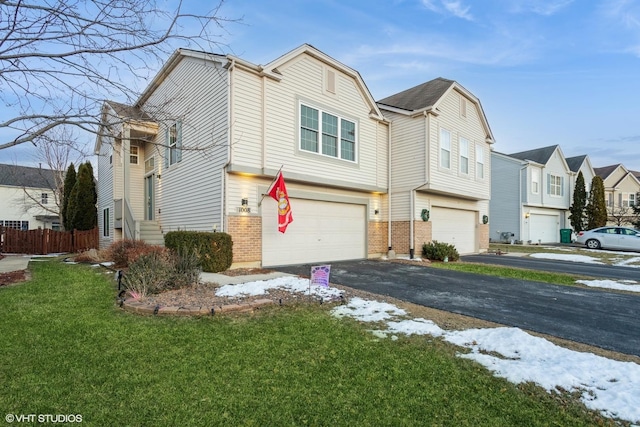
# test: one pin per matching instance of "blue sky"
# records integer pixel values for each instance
(547, 72)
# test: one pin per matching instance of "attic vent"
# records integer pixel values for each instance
(331, 81)
(463, 106)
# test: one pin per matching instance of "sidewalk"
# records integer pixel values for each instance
(14, 263)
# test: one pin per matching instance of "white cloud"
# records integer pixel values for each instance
(545, 8)
(452, 7)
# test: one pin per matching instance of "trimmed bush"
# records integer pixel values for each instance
(437, 251)
(213, 250)
(159, 271)
(125, 252)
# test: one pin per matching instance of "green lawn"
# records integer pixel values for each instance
(67, 349)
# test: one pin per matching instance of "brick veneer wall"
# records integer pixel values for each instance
(377, 238)
(400, 236)
(483, 236)
(246, 233)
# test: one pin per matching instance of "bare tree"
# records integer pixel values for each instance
(59, 59)
(621, 215)
(56, 149)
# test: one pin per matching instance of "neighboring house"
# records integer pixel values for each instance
(28, 197)
(200, 148)
(530, 195)
(621, 192)
(440, 166)
(579, 164)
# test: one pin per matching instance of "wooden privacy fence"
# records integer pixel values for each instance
(45, 241)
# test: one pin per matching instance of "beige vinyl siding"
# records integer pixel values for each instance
(190, 191)
(239, 186)
(246, 126)
(408, 155)
(303, 82)
(470, 128)
(136, 188)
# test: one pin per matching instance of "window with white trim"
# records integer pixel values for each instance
(44, 198)
(445, 149)
(555, 185)
(133, 154)
(105, 222)
(535, 181)
(632, 199)
(16, 225)
(627, 199)
(173, 147)
(464, 156)
(479, 162)
(327, 134)
(609, 203)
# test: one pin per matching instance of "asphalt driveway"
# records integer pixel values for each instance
(596, 317)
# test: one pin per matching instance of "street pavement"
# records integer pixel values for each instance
(601, 318)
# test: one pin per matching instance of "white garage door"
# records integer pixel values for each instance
(544, 228)
(456, 227)
(320, 232)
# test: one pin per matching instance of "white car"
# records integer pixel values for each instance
(610, 238)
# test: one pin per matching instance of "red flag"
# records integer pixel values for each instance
(278, 192)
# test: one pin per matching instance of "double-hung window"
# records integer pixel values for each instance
(464, 156)
(632, 199)
(535, 181)
(445, 149)
(479, 162)
(327, 134)
(555, 185)
(106, 222)
(173, 147)
(133, 154)
(44, 198)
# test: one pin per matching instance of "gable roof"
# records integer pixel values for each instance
(24, 176)
(427, 96)
(127, 111)
(575, 162)
(605, 171)
(538, 155)
(419, 97)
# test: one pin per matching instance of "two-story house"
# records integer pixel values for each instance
(440, 167)
(530, 195)
(200, 148)
(582, 164)
(28, 197)
(621, 192)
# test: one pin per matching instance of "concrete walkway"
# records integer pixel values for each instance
(14, 263)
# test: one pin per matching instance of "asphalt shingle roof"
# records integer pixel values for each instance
(539, 155)
(128, 111)
(24, 176)
(575, 162)
(605, 171)
(418, 97)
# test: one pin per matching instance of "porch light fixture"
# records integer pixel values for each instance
(376, 212)
(527, 215)
(245, 201)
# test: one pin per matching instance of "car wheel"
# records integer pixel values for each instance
(593, 244)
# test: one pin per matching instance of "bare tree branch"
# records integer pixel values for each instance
(60, 58)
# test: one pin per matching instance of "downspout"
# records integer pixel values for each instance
(389, 254)
(223, 193)
(520, 209)
(412, 203)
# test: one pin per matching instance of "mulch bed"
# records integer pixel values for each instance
(12, 277)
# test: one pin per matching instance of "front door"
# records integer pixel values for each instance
(149, 197)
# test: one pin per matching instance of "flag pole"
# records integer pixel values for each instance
(272, 181)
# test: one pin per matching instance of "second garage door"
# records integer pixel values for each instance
(456, 227)
(320, 232)
(544, 228)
